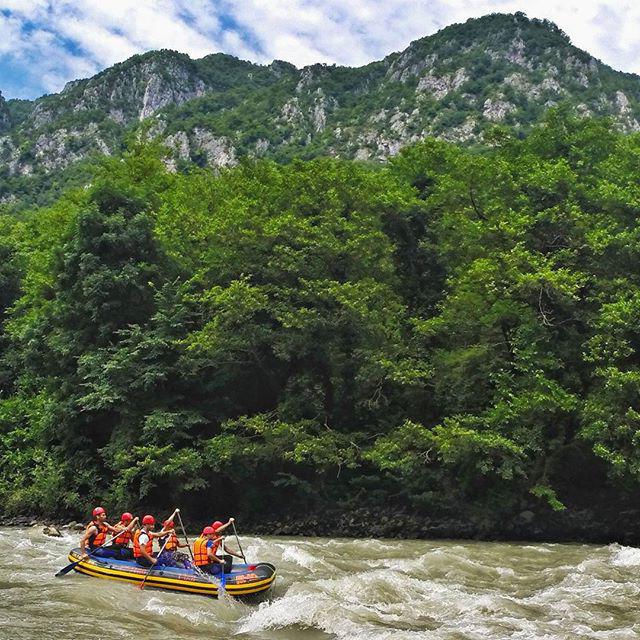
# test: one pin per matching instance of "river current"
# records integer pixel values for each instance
(344, 589)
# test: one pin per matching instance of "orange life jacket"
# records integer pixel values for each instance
(200, 555)
(136, 544)
(124, 538)
(172, 543)
(97, 539)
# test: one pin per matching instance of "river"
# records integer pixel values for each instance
(344, 589)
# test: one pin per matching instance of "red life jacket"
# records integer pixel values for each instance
(136, 544)
(99, 538)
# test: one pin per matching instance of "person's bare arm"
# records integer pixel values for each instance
(92, 530)
(225, 525)
(111, 529)
(144, 554)
(213, 557)
(132, 524)
(231, 552)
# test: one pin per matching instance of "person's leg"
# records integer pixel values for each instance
(182, 560)
(143, 562)
(166, 559)
(104, 552)
(118, 551)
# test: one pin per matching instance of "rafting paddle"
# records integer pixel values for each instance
(141, 585)
(69, 567)
(167, 538)
(251, 567)
(196, 568)
(223, 580)
(184, 531)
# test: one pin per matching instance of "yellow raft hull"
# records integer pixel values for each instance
(241, 582)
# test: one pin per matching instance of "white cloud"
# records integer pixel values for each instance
(9, 35)
(59, 40)
(369, 29)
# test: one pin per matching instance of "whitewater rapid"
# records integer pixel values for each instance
(342, 589)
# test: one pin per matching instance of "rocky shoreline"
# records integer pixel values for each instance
(575, 526)
(49, 527)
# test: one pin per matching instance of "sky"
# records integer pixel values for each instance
(46, 43)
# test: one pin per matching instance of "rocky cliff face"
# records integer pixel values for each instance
(456, 84)
(134, 92)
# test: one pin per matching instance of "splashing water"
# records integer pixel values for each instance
(342, 589)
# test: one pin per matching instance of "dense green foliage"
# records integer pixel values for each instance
(456, 330)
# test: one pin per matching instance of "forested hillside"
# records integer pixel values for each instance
(454, 85)
(455, 332)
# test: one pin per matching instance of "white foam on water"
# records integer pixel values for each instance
(630, 633)
(319, 612)
(621, 556)
(542, 548)
(196, 616)
(366, 604)
(370, 545)
(354, 590)
(301, 557)
(24, 543)
(445, 562)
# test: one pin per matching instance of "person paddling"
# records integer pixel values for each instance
(204, 556)
(143, 542)
(219, 527)
(121, 543)
(95, 535)
(220, 549)
(171, 557)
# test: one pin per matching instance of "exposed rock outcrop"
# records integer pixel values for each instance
(218, 149)
(440, 86)
(497, 109)
(405, 66)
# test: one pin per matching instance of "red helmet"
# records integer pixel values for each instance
(98, 511)
(126, 516)
(208, 531)
(216, 525)
(148, 519)
(168, 524)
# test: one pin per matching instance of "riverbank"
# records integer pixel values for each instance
(582, 526)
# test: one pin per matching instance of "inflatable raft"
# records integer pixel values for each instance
(244, 580)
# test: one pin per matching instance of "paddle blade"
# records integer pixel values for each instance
(69, 567)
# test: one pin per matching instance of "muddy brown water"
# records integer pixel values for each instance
(344, 589)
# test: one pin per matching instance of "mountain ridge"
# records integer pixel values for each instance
(499, 69)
